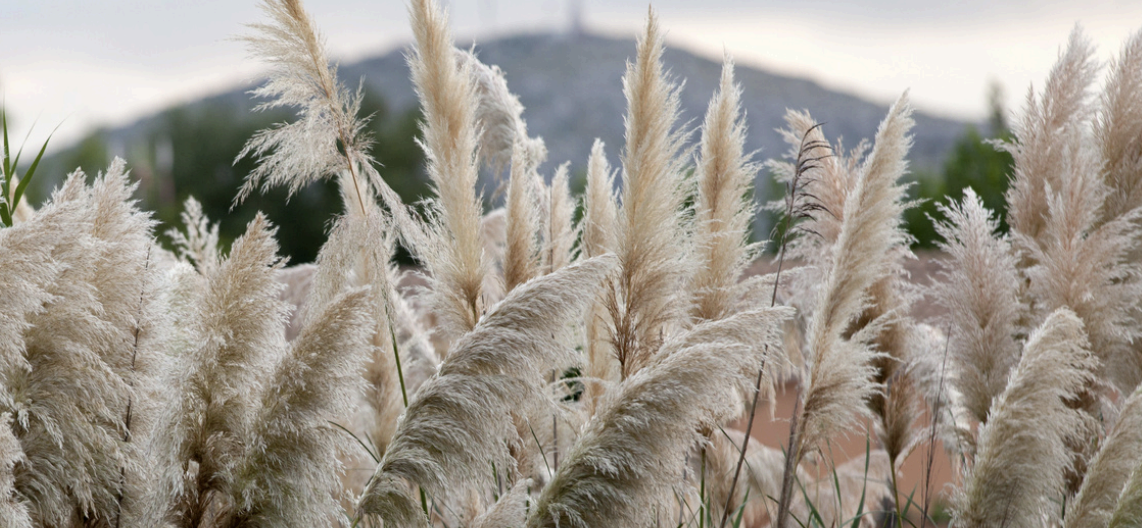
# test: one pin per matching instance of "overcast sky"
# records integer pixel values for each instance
(104, 62)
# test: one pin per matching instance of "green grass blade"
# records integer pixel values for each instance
(31, 172)
(7, 151)
(864, 484)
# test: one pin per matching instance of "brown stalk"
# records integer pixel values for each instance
(793, 211)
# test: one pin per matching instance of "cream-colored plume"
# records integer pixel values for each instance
(560, 233)
(13, 510)
(328, 139)
(1047, 132)
(287, 475)
(647, 298)
(1118, 131)
(453, 252)
(234, 328)
(461, 421)
(724, 207)
(631, 452)
(1128, 513)
(1018, 473)
(521, 254)
(500, 116)
(979, 287)
(1108, 472)
(838, 374)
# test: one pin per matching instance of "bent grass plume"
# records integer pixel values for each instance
(460, 421)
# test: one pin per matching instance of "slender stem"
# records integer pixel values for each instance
(702, 494)
(896, 495)
(131, 396)
(400, 372)
(792, 458)
(772, 302)
(745, 444)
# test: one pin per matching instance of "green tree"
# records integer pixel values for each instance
(974, 162)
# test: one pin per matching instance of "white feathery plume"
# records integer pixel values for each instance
(839, 375)
(1018, 473)
(929, 372)
(128, 287)
(26, 253)
(499, 115)
(521, 254)
(648, 296)
(13, 511)
(1074, 261)
(71, 395)
(839, 371)
(461, 421)
(559, 229)
(723, 209)
(600, 212)
(299, 153)
(199, 245)
(453, 250)
(297, 282)
(829, 185)
(1118, 131)
(358, 253)
(288, 472)
(1128, 512)
(1047, 135)
(1110, 469)
(634, 448)
(979, 287)
(510, 510)
(329, 138)
(235, 326)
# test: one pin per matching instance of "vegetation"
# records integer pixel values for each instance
(560, 372)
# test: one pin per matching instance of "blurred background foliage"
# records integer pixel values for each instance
(190, 151)
(975, 162)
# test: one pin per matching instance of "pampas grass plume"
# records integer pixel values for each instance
(453, 253)
(723, 209)
(649, 239)
(979, 288)
(631, 451)
(1022, 455)
(460, 421)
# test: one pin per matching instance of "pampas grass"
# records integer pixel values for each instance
(293, 446)
(1129, 509)
(560, 231)
(521, 254)
(593, 373)
(723, 209)
(499, 115)
(645, 301)
(980, 289)
(1110, 469)
(460, 422)
(453, 254)
(1019, 466)
(631, 452)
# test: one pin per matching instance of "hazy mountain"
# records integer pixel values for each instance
(572, 89)
(571, 86)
